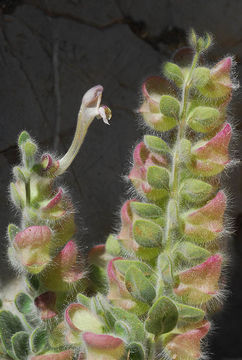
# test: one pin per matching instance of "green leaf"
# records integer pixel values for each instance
(136, 351)
(16, 196)
(112, 246)
(158, 177)
(165, 267)
(147, 234)
(122, 329)
(20, 344)
(191, 253)
(156, 144)
(174, 73)
(24, 303)
(162, 316)
(9, 325)
(39, 340)
(169, 106)
(195, 191)
(32, 282)
(23, 137)
(137, 329)
(185, 151)
(189, 315)
(149, 211)
(84, 300)
(123, 265)
(139, 286)
(201, 77)
(12, 231)
(20, 174)
(203, 119)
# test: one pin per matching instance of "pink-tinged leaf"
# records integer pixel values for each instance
(153, 88)
(54, 201)
(79, 319)
(103, 347)
(32, 246)
(222, 70)
(97, 256)
(205, 223)
(200, 283)
(63, 355)
(215, 149)
(46, 304)
(66, 269)
(125, 234)
(143, 159)
(187, 346)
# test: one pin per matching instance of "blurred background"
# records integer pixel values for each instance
(52, 51)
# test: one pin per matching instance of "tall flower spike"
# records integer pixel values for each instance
(90, 108)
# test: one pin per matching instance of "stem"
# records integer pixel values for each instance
(27, 190)
(174, 182)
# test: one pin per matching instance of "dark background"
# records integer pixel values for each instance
(52, 51)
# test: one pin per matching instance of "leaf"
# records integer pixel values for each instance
(23, 303)
(136, 351)
(20, 344)
(162, 316)
(123, 266)
(189, 315)
(158, 177)
(156, 144)
(39, 340)
(139, 286)
(169, 106)
(145, 210)
(9, 325)
(23, 137)
(147, 234)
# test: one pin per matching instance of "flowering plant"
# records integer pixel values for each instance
(146, 293)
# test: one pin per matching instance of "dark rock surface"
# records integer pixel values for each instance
(78, 44)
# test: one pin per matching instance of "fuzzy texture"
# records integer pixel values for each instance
(150, 288)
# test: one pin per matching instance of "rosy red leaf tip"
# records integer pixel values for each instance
(102, 341)
(111, 269)
(33, 236)
(63, 355)
(68, 313)
(187, 345)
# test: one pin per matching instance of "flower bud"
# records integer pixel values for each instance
(200, 283)
(32, 246)
(103, 347)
